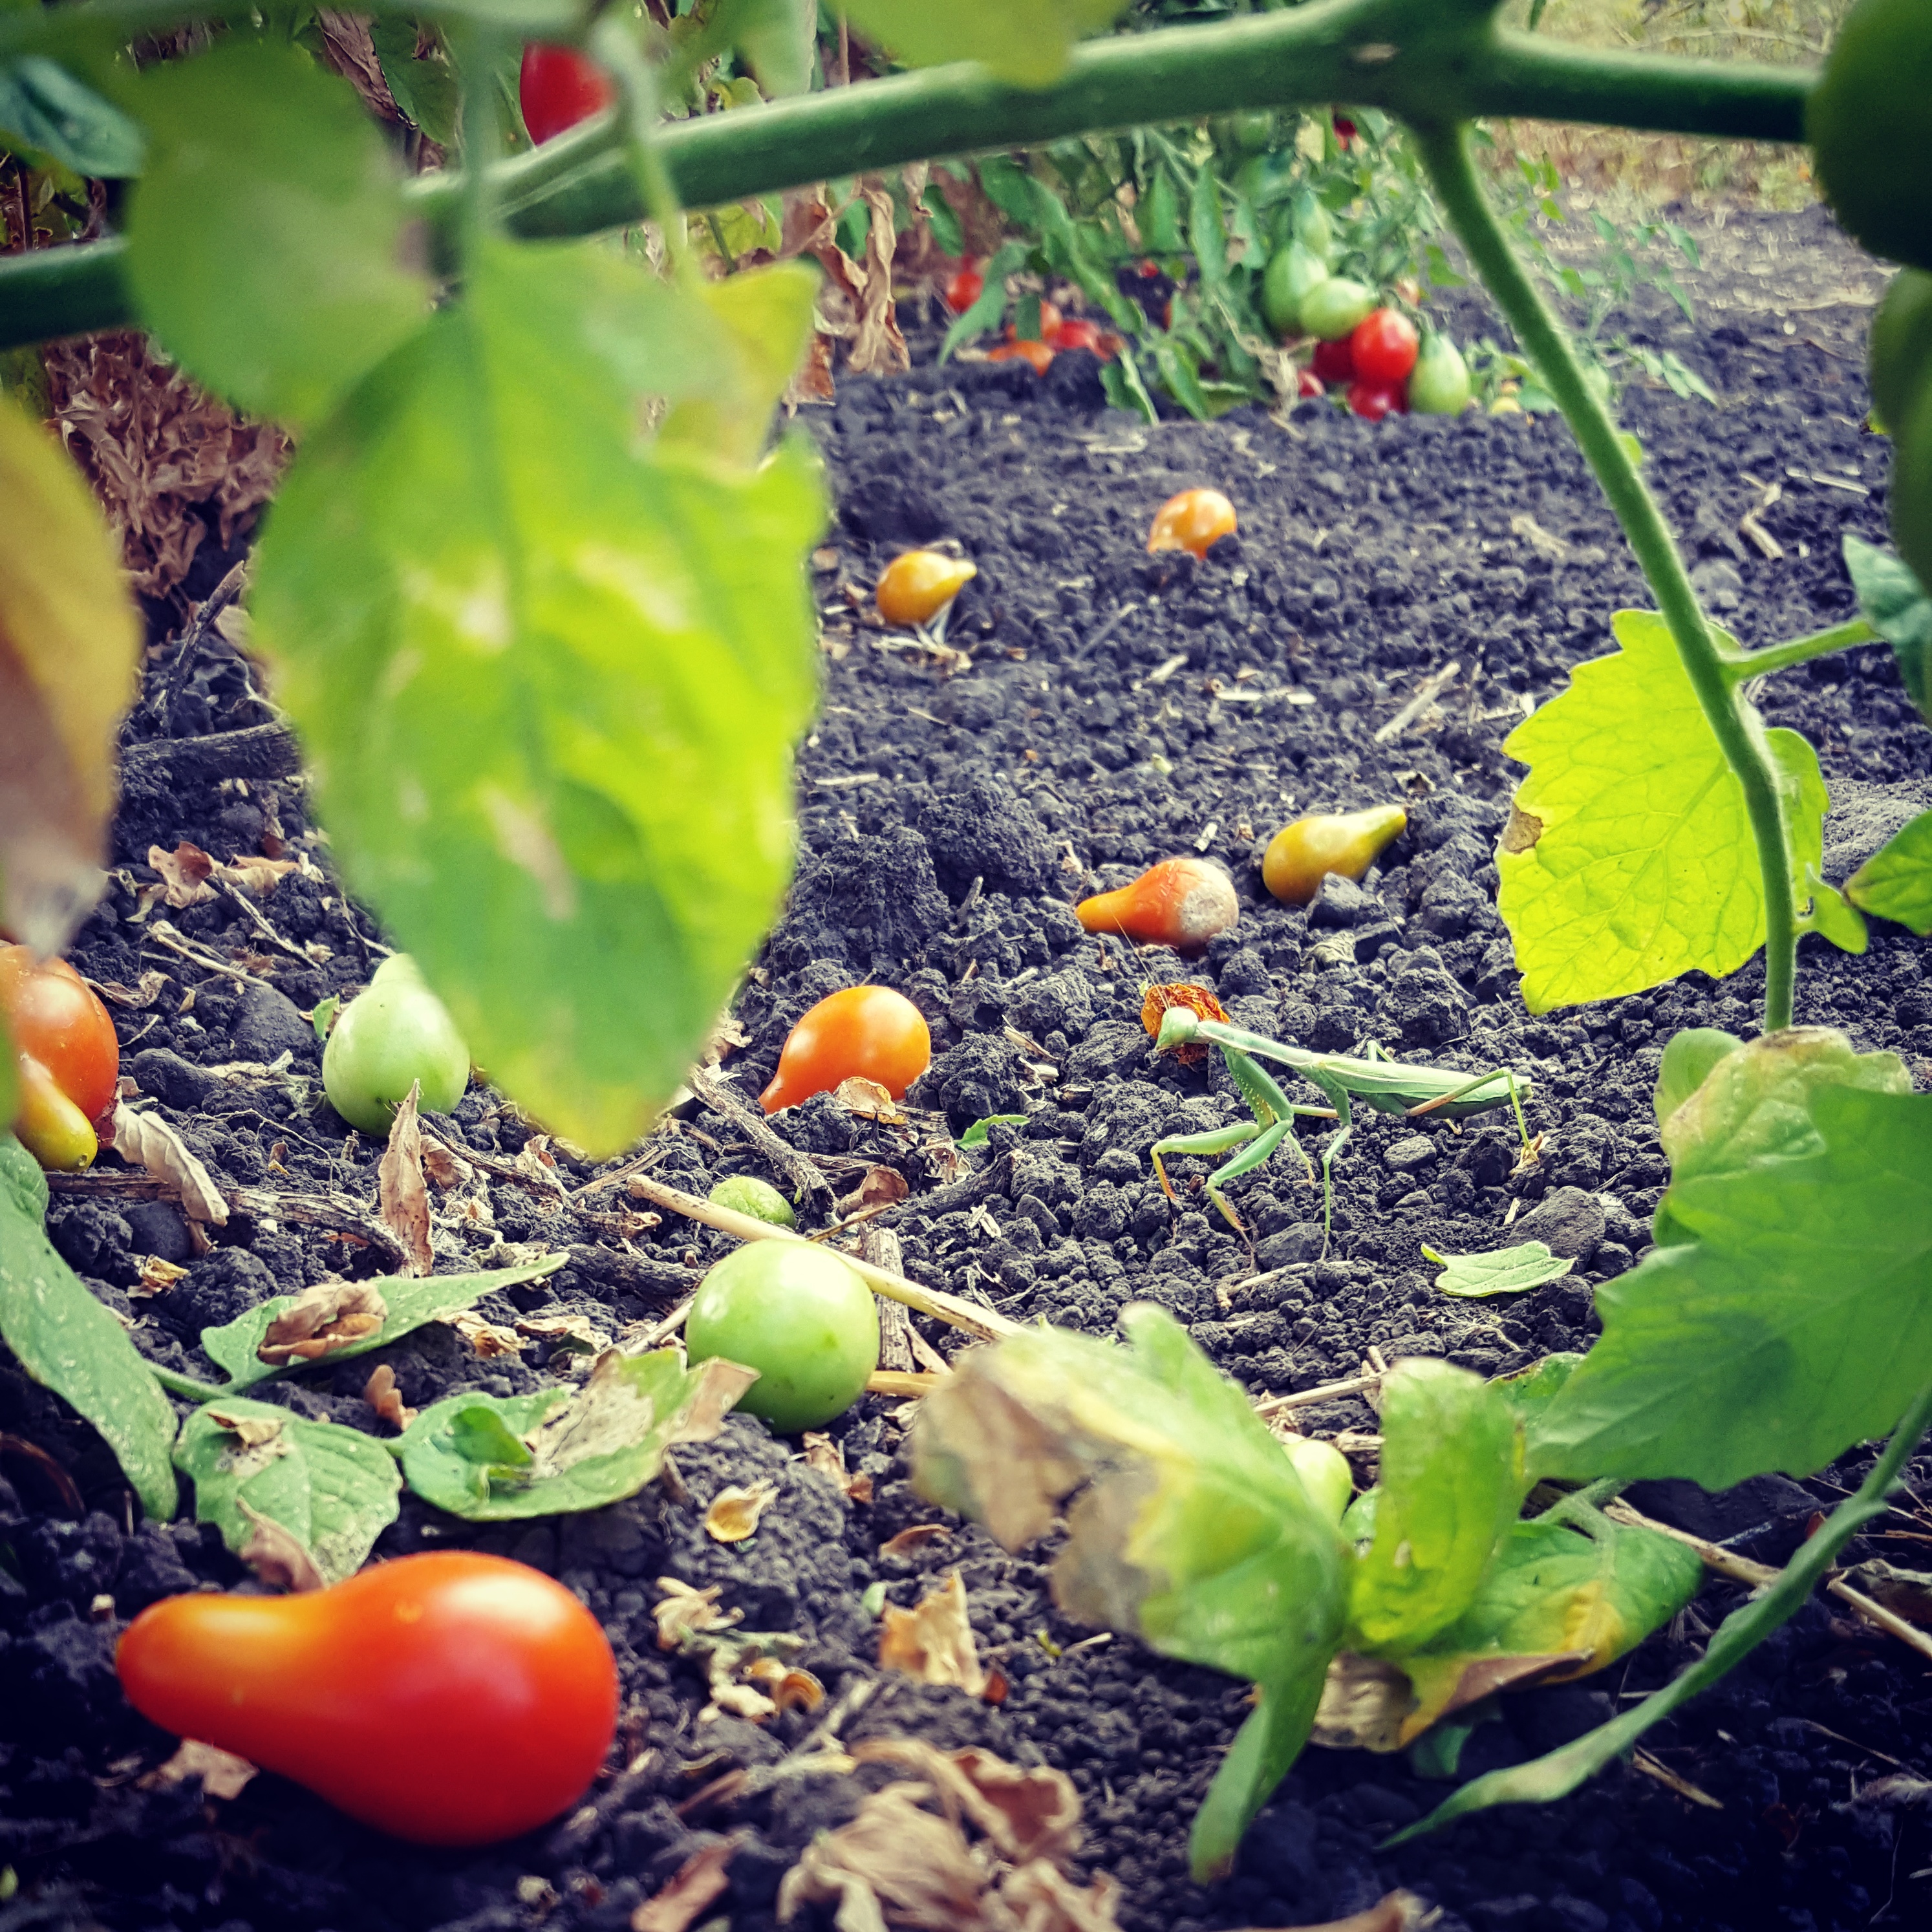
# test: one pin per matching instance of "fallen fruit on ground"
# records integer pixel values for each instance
(1180, 902)
(799, 1316)
(66, 1056)
(746, 1194)
(558, 87)
(451, 1699)
(918, 584)
(869, 1033)
(1036, 353)
(1374, 400)
(1195, 521)
(387, 1040)
(1301, 853)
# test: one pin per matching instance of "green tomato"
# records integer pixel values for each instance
(396, 1033)
(1912, 484)
(1438, 385)
(1332, 309)
(1252, 129)
(1900, 352)
(1325, 1475)
(1312, 228)
(1869, 120)
(1290, 273)
(799, 1316)
(746, 1194)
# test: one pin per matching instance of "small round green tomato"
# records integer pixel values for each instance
(397, 1033)
(1332, 309)
(746, 1194)
(1325, 1475)
(799, 1316)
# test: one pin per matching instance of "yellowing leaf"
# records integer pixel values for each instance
(70, 643)
(934, 1641)
(1025, 41)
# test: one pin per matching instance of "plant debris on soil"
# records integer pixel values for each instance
(1089, 710)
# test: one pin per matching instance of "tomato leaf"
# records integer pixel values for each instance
(1789, 1319)
(490, 1458)
(1191, 1531)
(1895, 882)
(990, 310)
(67, 1342)
(1629, 859)
(976, 1135)
(1024, 41)
(775, 36)
(425, 88)
(1894, 603)
(1506, 1271)
(409, 1302)
(70, 643)
(43, 107)
(1688, 1057)
(334, 1489)
(550, 681)
(264, 238)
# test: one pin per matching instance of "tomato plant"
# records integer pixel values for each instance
(1383, 346)
(558, 87)
(1301, 854)
(452, 1699)
(67, 1055)
(918, 584)
(384, 1042)
(798, 1314)
(1195, 521)
(864, 1032)
(1180, 902)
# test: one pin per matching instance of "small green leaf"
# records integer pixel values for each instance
(1024, 41)
(1895, 883)
(264, 239)
(424, 87)
(44, 108)
(1506, 1271)
(1688, 1057)
(1527, 1391)
(775, 36)
(1629, 860)
(1158, 214)
(1206, 232)
(67, 1342)
(490, 1458)
(323, 1017)
(1895, 605)
(409, 1301)
(334, 1489)
(976, 1135)
(1452, 1482)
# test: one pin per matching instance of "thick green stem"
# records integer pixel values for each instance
(1748, 664)
(1445, 152)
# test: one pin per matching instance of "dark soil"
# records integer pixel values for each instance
(1109, 710)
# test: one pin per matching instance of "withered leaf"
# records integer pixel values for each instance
(868, 1099)
(322, 1319)
(252, 1432)
(382, 1394)
(880, 1187)
(137, 998)
(223, 1774)
(444, 1167)
(934, 1642)
(915, 1536)
(788, 1687)
(683, 1611)
(184, 874)
(404, 1199)
(157, 1275)
(695, 1884)
(484, 1338)
(275, 1553)
(734, 1512)
(1027, 1814)
(146, 1140)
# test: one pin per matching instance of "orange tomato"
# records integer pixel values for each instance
(918, 584)
(69, 1057)
(868, 1032)
(1195, 521)
(452, 1699)
(1079, 333)
(1037, 353)
(1180, 902)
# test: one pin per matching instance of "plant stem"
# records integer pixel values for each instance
(1798, 650)
(476, 50)
(180, 1385)
(1445, 153)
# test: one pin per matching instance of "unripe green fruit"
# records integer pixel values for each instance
(746, 1194)
(1332, 309)
(1912, 484)
(1869, 120)
(1900, 350)
(1438, 385)
(1290, 274)
(1325, 1475)
(396, 1033)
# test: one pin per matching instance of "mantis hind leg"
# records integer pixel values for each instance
(1469, 1086)
(1219, 1142)
(1251, 1157)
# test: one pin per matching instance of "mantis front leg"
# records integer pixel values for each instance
(1256, 1141)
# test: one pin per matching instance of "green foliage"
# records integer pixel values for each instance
(976, 1135)
(67, 1340)
(1506, 1271)
(1896, 881)
(265, 182)
(44, 110)
(1894, 603)
(1630, 858)
(1688, 1057)
(550, 680)
(425, 86)
(1025, 41)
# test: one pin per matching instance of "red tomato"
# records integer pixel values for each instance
(452, 1699)
(558, 87)
(1037, 353)
(1345, 130)
(1195, 521)
(1334, 362)
(1309, 384)
(964, 289)
(1384, 347)
(1377, 400)
(1149, 268)
(69, 1057)
(1079, 333)
(869, 1032)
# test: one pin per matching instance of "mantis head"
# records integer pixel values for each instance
(1179, 1027)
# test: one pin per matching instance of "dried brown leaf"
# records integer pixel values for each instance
(382, 1394)
(934, 1642)
(860, 1096)
(825, 1456)
(697, 1882)
(157, 1275)
(563, 1329)
(252, 1432)
(915, 1537)
(184, 874)
(146, 1140)
(1027, 1814)
(734, 1512)
(1043, 1899)
(445, 1169)
(788, 1688)
(223, 1774)
(404, 1199)
(322, 1319)
(1394, 1912)
(484, 1338)
(880, 1187)
(275, 1553)
(137, 998)
(682, 1611)
(894, 1856)
(348, 48)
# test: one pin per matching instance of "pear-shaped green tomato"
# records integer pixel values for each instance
(1312, 228)
(1334, 309)
(1438, 385)
(1325, 1475)
(1901, 351)
(396, 1033)
(746, 1194)
(1290, 273)
(799, 1316)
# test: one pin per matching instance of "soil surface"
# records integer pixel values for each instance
(1094, 710)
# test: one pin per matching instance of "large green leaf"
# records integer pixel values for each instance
(43, 107)
(1025, 41)
(1794, 1319)
(550, 680)
(64, 1338)
(1896, 881)
(1893, 603)
(264, 241)
(1192, 1530)
(491, 1458)
(1452, 1482)
(1629, 860)
(333, 1489)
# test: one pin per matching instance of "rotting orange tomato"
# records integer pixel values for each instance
(451, 1699)
(918, 584)
(1195, 521)
(867, 1033)
(1160, 999)
(1180, 902)
(1037, 353)
(1300, 854)
(68, 1057)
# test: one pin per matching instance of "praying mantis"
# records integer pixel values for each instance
(1389, 1086)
